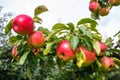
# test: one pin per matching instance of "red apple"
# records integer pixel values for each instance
(14, 51)
(107, 63)
(94, 6)
(87, 58)
(114, 2)
(23, 24)
(104, 11)
(64, 51)
(99, 47)
(36, 39)
(103, 48)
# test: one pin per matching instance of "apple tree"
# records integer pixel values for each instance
(68, 51)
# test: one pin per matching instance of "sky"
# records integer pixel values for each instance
(64, 11)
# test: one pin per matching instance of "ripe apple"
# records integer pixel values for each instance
(114, 2)
(104, 11)
(107, 63)
(85, 57)
(14, 51)
(36, 39)
(64, 51)
(103, 48)
(94, 6)
(23, 24)
(99, 47)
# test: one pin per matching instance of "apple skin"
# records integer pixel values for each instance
(114, 2)
(87, 58)
(14, 51)
(94, 6)
(103, 48)
(36, 39)
(23, 24)
(104, 11)
(107, 63)
(64, 51)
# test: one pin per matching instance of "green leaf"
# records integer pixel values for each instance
(74, 40)
(93, 23)
(8, 27)
(14, 39)
(48, 48)
(55, 31)
(40, 9)
(88, 43)
(97, 36)
(85, 31)
(37, 19)
(59, 26)
(24, 57)
(44, 30)
(28, 72)
(71, 26)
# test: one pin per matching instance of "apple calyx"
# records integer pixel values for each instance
(85, 57)
(36, 39)
(64, 51)
(107, 63)
(23, 24)
(94, 6)
(36, 52)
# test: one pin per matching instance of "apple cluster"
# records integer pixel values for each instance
(84, 56)
(98, 8)
(24, 25)
(35, 39)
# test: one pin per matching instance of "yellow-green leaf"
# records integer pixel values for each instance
(24, 57)
(8, 27)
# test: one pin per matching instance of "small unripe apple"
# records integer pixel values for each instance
(14, 51)
(64, 51)
(94, 6)
(87, 58)
(107, 63)
(114, 2)
(23, 24)
(36, 39)
(104, 11)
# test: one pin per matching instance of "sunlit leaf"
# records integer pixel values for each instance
(80, 60)
(24, 57)
(96, 46)
(8, 27)
(48, 48)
